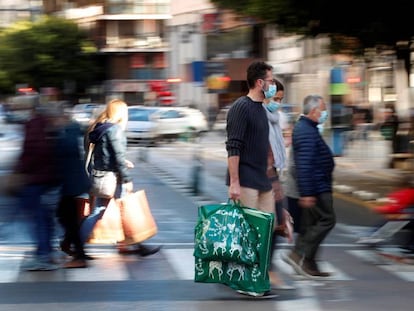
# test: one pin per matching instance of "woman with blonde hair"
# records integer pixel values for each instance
(107, 137)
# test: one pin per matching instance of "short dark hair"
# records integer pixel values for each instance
(257, 70)
(279, 85)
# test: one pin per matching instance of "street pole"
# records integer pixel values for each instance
(197, 169)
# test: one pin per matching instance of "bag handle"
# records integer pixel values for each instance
(89, 156)
(236, 203)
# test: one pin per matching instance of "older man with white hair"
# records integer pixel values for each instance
(314, 165)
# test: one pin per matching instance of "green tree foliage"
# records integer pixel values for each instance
(45, 53)
(369, 22)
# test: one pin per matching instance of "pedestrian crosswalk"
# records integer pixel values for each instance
(171, 263)
(165, 281)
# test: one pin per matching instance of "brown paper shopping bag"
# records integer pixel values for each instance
(108, 229)
(137, 220)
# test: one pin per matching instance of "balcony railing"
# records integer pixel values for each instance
(151, 42)
(141, 7)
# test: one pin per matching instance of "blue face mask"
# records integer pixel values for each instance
(272, 106)
(323, 117)
(271, 91)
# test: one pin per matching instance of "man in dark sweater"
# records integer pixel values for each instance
(248, 146)
(314, 166)
(248, 141)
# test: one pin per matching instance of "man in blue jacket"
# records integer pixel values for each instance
(314, 166)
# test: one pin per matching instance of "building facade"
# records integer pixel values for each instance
(155, 49)
(131, 37)
(12, 11)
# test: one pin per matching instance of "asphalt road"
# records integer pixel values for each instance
(362, 279)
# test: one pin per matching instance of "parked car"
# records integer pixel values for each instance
(149, 125)
(85, 113)
(11, 142)
(175, 121)
(221, 120)
(141, 127)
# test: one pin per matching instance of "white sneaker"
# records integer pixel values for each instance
(35, 264)
(265, 295)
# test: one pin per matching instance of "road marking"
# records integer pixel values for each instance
(400, 270)
(307, 299)
(182, 261)
(9, 268)
(110, 266)
(337, 274)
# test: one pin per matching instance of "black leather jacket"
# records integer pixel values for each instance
(110, 150)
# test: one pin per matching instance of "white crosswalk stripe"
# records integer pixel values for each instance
(337, 274)
(400, 270)
(176, 263)
(110, 266)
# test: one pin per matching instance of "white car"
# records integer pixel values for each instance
(149, 125)
(11, 143)
(141, 127)
(175, 121)
(85, 113)
(221, 120)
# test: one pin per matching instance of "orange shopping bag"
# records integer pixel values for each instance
(137, 220)
(108, 229)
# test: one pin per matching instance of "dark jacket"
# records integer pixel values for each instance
(38, 160)
(74, 180)
(110, 149)
(314, 163)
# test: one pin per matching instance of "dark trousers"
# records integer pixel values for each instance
(295, 211)
(316, 223)
(68, 216)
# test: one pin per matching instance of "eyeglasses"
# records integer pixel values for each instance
(271, 81)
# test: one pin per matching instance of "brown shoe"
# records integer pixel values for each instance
(294, 260)
(311, 268)
(65, 247)
(75, 263)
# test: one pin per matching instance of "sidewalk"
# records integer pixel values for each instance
(361, 172)
(363, 169)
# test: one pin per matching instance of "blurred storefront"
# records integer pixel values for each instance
(210, 51)
(144, 43)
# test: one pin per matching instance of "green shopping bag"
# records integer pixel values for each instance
(251, 278)
(223, 234)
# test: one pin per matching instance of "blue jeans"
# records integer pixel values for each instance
(40, 202)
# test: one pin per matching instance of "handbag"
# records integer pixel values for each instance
(137, 220)
(103, 183)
